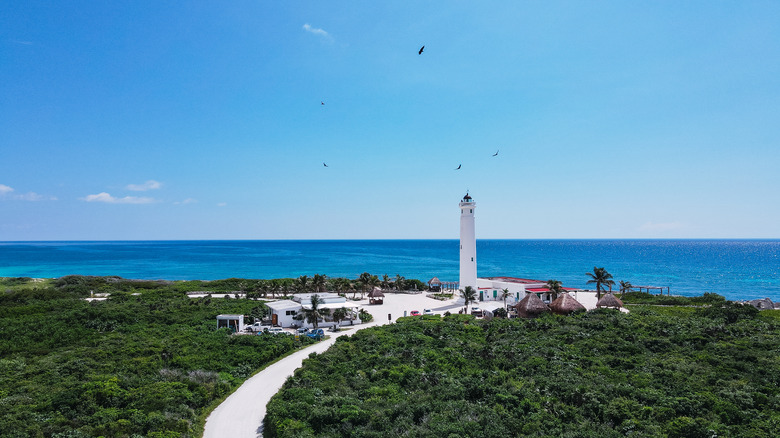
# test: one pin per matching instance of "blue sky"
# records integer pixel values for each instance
(203, 120)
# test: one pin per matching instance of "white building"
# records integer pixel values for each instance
(491, 288)
(468, 244)
(283, 312)
(327, 298)
(234, 322)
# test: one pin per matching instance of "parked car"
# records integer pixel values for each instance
(415, 313)
(476, 311)
(316, 334)
(276, 331)
(427, 312)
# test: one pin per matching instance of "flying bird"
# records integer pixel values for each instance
(421, 50)
(457, 168)
(495, 153)
(322, 103)
(324, 164)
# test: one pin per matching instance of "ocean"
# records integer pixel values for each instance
(736, 269)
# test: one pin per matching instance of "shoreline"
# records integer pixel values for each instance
(738, 269)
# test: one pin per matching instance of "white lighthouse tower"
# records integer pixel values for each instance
(468, 244)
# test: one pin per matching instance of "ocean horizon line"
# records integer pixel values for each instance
(736, 268)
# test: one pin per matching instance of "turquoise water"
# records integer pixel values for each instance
(737, 269)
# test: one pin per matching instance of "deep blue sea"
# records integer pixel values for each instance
(736, 269)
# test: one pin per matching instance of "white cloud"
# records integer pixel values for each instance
(31, 196)
(108, 199)
(316, 31)
(660, 226)
(186, 201)
(221, 204)
(7, 192)
(149, 185)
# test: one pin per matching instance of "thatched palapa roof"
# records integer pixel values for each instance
(531, 306)
(375, 294)
(609, 300)
(566, 304)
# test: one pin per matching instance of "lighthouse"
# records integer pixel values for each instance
(468, 244)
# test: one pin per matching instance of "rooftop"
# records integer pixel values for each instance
(545, 289)
(283, 305)
(514, 280)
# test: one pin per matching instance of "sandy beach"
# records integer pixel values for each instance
(242, 413)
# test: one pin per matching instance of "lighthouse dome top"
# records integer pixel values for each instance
(467, 198)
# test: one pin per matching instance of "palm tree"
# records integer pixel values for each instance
(302, 284)
(318, 282)
(385, 282)
(600, 276)
(555, 288)
(341, 284)
(469, 296)
(261, 288)
(286, 285)
(339, 315)
(373, 282)
(362, 283)
(353, 287)
(367, 281)
(274, 286)
(504, 295)
(399, 282)
(624, 287)
(314, 314)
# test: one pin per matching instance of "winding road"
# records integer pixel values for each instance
(241, 414)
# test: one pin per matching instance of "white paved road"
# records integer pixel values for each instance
(241, 414)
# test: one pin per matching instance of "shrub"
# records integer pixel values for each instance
(659, 371)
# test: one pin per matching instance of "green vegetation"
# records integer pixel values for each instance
(708, 299)
(655, 372)
(469, 295)
(601, 278)
(148, 361)
(442, 296)
(364, 316)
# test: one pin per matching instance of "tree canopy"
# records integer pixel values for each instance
(656, 372)
(147, 361)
